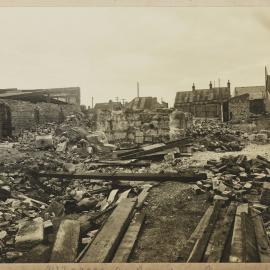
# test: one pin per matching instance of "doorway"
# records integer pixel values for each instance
(5, 120)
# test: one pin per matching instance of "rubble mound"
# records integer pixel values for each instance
(215, 136)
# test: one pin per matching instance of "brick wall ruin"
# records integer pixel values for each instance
(239, 108)
(138, 126)
(22, 113)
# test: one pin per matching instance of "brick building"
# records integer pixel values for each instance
(257, 96)
(205, 103)
(20, 110)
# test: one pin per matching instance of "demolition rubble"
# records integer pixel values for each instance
(68, 194)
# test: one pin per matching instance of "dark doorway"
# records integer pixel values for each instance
(5, 121)
(225, 107)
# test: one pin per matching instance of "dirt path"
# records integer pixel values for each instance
(173, 212)
(251, 151)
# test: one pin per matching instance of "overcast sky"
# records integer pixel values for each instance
(106, 51)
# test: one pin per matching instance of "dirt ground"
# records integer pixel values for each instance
(251, 151)
(173, 212)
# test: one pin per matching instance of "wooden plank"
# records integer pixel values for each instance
(142, 197)
(123, 195)
(265, 194)
(250, 253)
(79, 257)
(236, 254)
(185, 252)
(105, 243)
(110, 200)
(126, 246)
(263, 244)
(212, 239)
(221, 234)
(185, 176)
(168, 145)
(202, 242)
(66, 242)
(120, 163)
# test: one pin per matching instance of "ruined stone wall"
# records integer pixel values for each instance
(134, 126)
(179, 123)
(22, 113)
(239, 108)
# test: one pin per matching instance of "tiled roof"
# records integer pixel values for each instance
(200, 95)
(107, 105)
(143, 103)
(255, 92)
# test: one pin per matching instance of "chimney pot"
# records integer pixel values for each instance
(229, 84)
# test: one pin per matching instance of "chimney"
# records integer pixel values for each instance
(229, 84)
(193, 87)
(210, 85)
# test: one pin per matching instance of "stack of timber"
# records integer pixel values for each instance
(228, 233)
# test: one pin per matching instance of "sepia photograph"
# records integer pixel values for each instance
(134, 134)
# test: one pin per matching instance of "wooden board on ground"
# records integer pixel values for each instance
(263, 245)
(236, 254)
(127, 244)
(221, 234)
(201, 244)
(184, 254)
(66, 242)
(123, 195)
(250, 253)
(110, 200)
(142, 197)
(105, 243)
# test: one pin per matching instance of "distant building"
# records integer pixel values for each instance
(257, 96)
(205, 103)
(249, 101)
(68, 95)
(23, 109)
(145, 103)
(108, 106)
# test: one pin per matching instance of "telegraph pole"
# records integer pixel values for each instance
(92, 102)
(138, 89)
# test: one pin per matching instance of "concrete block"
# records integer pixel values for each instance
(44, 141)
(66, 242)
(30, 234)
